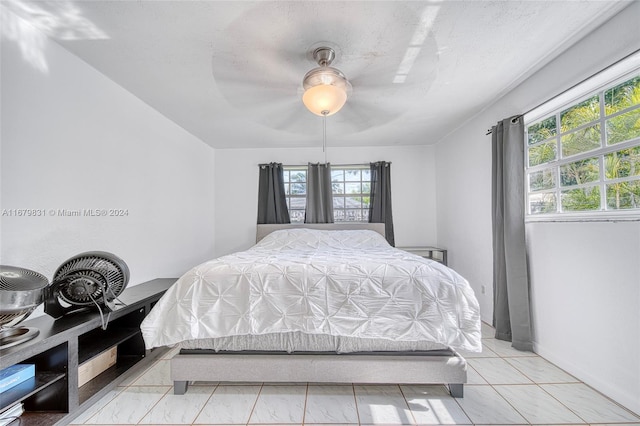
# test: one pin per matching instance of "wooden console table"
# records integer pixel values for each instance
(53, 397)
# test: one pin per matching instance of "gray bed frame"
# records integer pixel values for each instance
(419, 367)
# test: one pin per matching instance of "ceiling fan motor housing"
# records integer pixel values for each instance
(326, 88)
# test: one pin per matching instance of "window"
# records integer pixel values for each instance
(351, 192)
(295, 189)
(584, 157)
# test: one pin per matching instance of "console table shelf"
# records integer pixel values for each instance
(53, 397)
(29, 387)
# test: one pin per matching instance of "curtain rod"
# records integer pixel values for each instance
(574, 86)
(334, 165)
(515, 117)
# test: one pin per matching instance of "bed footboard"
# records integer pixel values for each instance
(320, 368)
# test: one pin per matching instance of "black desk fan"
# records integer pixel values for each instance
(93, 278)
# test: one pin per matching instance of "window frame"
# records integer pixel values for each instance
(288, 194)
(543, 113)
(365, 211)
(343, 167)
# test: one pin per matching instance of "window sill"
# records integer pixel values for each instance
(633, 216)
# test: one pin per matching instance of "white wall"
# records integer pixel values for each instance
(412, 183)
(585, 294)
(73, 139)
(600, 305)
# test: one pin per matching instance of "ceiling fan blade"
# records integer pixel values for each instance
(356, 117)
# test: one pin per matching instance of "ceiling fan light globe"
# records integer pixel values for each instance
(324, 99)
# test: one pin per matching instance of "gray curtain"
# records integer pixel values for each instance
(272, 203)
(319, 208)
(511, 308)
(380, 200)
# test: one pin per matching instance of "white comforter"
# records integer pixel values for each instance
(341, 283)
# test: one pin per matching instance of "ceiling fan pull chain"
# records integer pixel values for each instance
(324, 137)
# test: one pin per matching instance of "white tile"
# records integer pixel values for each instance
(159, 374)
(487, 330)
(497, 371)
(486, 353)
(433, 405)
(205, 383)
(484, 405)
(239, 383)
(171, 353)
(473, 378)
(380, 404)
(589, 404)
(229, 405)
(279, 404)
(178, 409)
(540, 370)
(331, 404)
(129, 376)
(89, 412)
(536, 405)
(504, 348)
(130, 406)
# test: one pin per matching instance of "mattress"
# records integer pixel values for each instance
(301, 342)
(346, 284)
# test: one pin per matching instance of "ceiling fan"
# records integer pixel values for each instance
(259, 70)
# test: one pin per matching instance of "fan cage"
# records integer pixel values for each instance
(93, 272)
(13, 278)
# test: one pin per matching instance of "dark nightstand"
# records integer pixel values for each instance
(427, 252)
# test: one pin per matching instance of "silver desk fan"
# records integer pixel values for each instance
(21, 292)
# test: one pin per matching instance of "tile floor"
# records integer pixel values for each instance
(505, 387)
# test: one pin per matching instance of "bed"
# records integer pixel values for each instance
(318, 303)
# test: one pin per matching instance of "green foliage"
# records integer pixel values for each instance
(541, 203)
(298, 176)
(623, 164)
(542, 153)
(581, 199)
(543, 130)
(622, 96)
(543, 179)
(580, 172)
(624, 195)
(582, 113)
(580, 141)
(623, 127)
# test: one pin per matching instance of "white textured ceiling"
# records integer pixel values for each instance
(231, 72)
